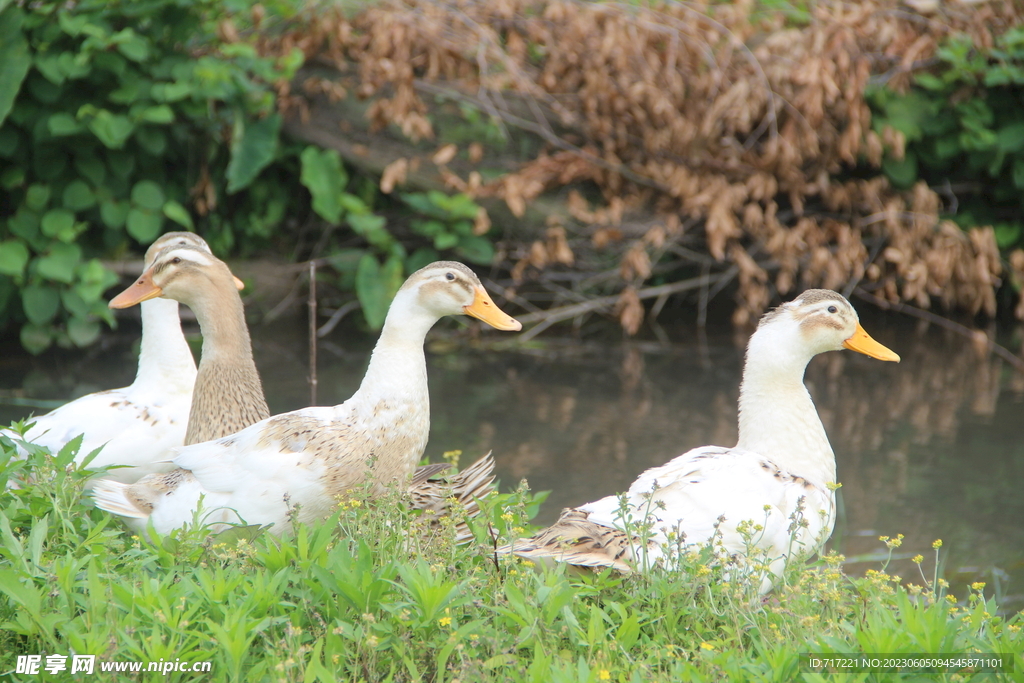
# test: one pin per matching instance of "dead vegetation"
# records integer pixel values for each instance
(683, 140)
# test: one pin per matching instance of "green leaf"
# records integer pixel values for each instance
(1010, 138)
(476, 249)
(445, 240)
(9, 142)
(57, 223)
(131, 45)
(12, 177)
(40, 303)
(253, 146)
(177, 213)
(15, 59)
(121, 164)
(13, 257)
(325, 178)
(376, 286)
(421, 257)
(160, 113)
(83, 332)
(371, 227)
(148, 195)
(36, 338)
(1018, 173)
(91, 168)
(143, 225)
(49, 162)
(63, 123)
(134, 87)
(25, 224)
(94, 280)
(1007, 234)
(49, 65)
(78, 196)
(60, 263)
(902, 173)
(929, 81)
(70, 23)
(114, 213)
(43, 90)
(113, 130)
(74, 303)
(353, 204)
(152, 140)
(37, 197)
(171, 92)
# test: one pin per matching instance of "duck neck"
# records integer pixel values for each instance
(398, 367)
(228, 393)
(165, 360)
(777, 418)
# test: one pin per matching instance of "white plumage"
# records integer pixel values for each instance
(295, 465)
(136, 425)
(767, 499)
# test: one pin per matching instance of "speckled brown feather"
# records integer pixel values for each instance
(575, 540)
(434, 494)
(226, 400)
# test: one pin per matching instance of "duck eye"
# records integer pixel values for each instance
(176, 259)
(450, 276)
(833, 309)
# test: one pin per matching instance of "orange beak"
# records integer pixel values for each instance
(862, 342)
(141, 290)
(485, 309)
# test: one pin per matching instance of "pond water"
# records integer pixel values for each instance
(931, 448)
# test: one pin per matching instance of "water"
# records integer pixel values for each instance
(930, 448)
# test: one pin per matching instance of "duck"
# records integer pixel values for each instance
(135, 426)
(228, 394)
(767, 499)
(294, 466)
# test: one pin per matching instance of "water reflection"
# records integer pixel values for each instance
(930, 448)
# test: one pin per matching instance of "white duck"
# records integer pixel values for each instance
(295, 465)
(138, 424)
(782, 470)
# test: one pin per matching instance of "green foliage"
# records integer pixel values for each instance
(963, 131)
(366, 595)
(119, 121)
(111, 115)
(376, 272)
(449, 225)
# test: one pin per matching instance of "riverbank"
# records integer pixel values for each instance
(359, 598)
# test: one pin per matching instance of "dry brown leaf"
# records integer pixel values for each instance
(636, 264)
(393, 175)
(482, 222)
(630, 311)
(605, 236)
(444, 154)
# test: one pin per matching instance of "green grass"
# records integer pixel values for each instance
(358, 598)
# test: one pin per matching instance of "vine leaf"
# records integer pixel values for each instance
(376, 286)
(14, 58)
(253, 146)
(325, 178)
